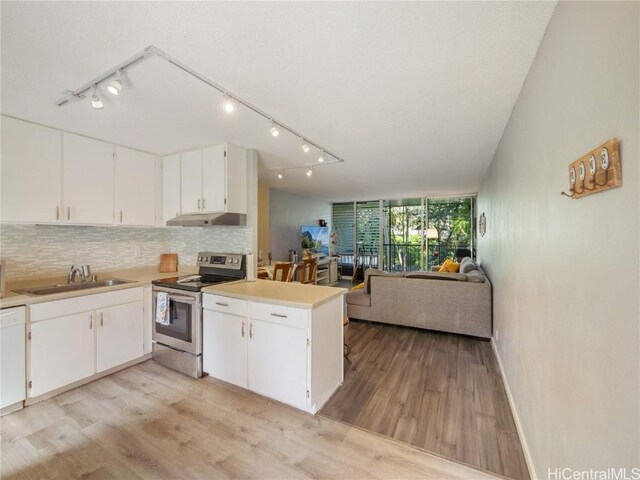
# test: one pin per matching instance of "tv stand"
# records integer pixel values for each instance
(327, 273)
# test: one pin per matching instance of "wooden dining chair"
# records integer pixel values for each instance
(309, 270)
(282, 271)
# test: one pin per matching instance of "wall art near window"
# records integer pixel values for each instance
(482, 224)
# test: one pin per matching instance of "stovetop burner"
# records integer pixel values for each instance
(192, 285)
(214, 268)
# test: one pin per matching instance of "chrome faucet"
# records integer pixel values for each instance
(84, 272)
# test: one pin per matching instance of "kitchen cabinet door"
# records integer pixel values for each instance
(135, 187)
(170, 188)
(191, 183)
(88, 180)
(278, 362)
(62, 351)
(214, 178)
(31, 172)
(236, 179)
(224, 347)
(120, 335)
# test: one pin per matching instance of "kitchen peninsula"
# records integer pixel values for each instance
(281, 340)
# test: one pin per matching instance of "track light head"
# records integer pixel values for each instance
(310, 172)
(96, 101)
(321, 157)
(280, 175)
(228, 104)
(305, 147)
(274, 130)
(115, 85)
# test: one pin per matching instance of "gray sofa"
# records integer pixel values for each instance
(448, 302)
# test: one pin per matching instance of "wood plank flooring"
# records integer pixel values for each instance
(437, 391)
(150, 422)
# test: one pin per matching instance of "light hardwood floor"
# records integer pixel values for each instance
(150, 422)
(437, 391)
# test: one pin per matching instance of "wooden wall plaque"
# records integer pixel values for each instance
(596, 171)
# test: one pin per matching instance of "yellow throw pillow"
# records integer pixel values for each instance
(358, 287)
(445, 266)
(453, 267)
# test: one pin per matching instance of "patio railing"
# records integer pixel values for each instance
(397, 257)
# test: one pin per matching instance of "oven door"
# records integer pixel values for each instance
(184, 331)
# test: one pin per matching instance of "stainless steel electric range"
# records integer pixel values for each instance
(177, 341)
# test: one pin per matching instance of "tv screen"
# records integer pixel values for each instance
(314, 240)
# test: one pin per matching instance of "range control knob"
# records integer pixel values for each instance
(235, 260)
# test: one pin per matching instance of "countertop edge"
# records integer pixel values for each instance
(213, 290)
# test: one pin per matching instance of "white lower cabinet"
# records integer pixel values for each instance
(269, 348)
(278, 362)
(119, 335)
(224, 351)
(73, 339)
(62, 351)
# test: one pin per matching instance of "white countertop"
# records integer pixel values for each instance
(279, 293)
(138, 277)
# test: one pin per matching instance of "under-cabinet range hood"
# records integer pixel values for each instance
(209, 220)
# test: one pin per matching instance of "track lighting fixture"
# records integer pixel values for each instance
(115, 85)
(113, 80)
(228, 104)
(96, 101)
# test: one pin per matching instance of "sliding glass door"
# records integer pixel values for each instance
(402, 235)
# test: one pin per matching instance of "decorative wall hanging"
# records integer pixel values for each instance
(596, 171)
(482, 224)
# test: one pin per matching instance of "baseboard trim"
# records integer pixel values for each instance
(523, 439)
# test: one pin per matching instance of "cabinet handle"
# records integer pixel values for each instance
(68, 213)
(91, 322)
(57, 212)
(222, 304)
(242, 329)
(203, 207)
(120, 216)
(101, 320)
(199, 204)
(279, 315)
(250, 330)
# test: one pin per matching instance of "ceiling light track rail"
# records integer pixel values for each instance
(74, 95)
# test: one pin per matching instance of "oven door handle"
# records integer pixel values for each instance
(182, 298)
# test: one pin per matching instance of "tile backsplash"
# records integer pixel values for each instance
(33, 251)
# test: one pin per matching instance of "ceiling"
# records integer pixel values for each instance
(414, 96)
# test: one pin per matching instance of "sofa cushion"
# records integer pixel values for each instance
(475, 276)
(359, 297)
(438, 276)
(372, 272)
(467, 265)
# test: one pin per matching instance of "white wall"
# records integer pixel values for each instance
(287, 212)
(566, 272)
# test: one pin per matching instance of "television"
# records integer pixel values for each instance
(314, 240)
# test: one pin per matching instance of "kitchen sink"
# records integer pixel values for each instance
(72, 287)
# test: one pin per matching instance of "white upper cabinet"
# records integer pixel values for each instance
(236, 187)
(88, 180)
(214, 180)
(170, 187)
(191, 183)
(31, 172)
(135, 187)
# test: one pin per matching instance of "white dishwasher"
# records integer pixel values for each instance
(12, 357)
